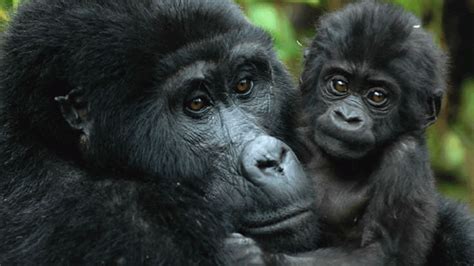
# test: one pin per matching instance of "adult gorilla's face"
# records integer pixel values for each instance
(207, 109)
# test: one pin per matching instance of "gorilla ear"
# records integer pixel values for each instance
(434, 107)
(75, 109)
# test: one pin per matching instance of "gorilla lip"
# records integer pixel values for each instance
(339, 147)
(277, 223)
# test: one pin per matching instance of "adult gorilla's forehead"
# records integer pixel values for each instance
(230, 48)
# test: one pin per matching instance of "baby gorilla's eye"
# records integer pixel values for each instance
(197, 104)
(340, 86)
(244, 86)
(377, 97)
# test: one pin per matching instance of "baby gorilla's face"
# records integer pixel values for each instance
(355, 108)
(366, 83)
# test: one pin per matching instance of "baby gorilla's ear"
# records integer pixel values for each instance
(433, 108)
(75, 110)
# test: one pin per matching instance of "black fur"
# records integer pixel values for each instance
(454, 238)
(104, 162)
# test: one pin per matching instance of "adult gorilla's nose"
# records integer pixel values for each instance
(281, 212)
(268, 161)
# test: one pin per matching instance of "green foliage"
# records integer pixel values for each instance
(270, 18)
(454, 191)
(467, 107)
(6, 6)
(309, 2)
(453, 151)
(451, 147)
(416, 7)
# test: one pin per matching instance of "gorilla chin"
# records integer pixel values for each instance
(291, 229)
(283, 218)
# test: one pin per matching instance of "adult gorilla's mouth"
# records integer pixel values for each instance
(278, 214)
(277, 221)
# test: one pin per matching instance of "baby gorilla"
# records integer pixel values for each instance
(372, 82)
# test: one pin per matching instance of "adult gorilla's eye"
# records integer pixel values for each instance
(197, 104)
(377, 97)
(340, 86)
(244, 86)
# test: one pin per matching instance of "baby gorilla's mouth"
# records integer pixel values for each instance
(341, 147)
(287, 219)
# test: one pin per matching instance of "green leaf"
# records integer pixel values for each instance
(453, 151)
(416, 7)
(268, 17)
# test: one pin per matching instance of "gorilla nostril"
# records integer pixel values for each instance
(267, 160)
(270, 164)
(353, 120)
(340, 114)
(264, 164)
(267, 164)
(283, 153)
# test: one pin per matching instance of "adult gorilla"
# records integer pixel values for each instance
(145, 132)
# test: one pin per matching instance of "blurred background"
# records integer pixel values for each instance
(451, 139)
